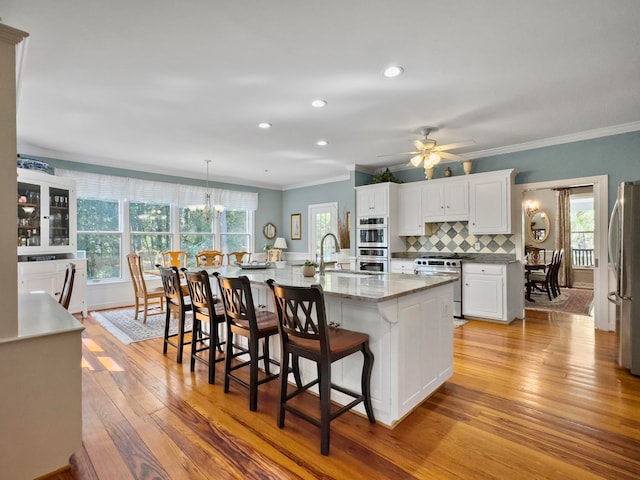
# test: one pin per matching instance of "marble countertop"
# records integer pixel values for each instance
(469, 257)
(346, 284)
(39, 315)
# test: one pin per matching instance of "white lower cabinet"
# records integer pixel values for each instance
(48, 276)
(493, 292)
(403, 266)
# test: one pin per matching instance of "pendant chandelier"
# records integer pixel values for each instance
(210, 210)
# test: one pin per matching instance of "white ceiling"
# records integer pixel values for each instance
(161, 85)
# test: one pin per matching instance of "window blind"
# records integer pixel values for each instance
(110, 187)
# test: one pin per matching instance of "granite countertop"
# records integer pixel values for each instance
(469, 257)
(347, 284)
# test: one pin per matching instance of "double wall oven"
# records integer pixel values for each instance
(373, 244)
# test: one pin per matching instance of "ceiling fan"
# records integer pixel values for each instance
(428, 153)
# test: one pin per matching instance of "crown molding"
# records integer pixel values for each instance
(548, 142)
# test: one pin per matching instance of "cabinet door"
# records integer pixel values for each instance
(403, 266)
(410, 220)
(46, 214)
(433, 202)
(490, 205)
(456, 199)
(372, 200)
(482, 295)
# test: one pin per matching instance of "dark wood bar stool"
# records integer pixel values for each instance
(243, 320)
(304, 332)
(206, 309)
(176, 306)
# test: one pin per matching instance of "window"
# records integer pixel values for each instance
(151, 217)
(195, 233)
(150, 227)
(235, 228)
(582, 229)
(100, 236)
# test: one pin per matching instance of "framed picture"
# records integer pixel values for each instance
(296, 226)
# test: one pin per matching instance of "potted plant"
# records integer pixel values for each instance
(385, 176)
(309, 268)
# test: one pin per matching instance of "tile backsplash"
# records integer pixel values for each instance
(455, 237)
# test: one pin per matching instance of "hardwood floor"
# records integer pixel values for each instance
(541, 398)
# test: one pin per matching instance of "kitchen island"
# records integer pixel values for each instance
(409, 321)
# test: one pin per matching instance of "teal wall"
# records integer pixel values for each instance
(297, 201)
(269, 201)
(617, 156)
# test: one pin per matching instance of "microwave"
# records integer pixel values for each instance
(373, 236)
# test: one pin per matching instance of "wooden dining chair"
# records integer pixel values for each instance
(176, 308)
(305, 332)
(243, 320)
(67, 286)
(144, 295)
(175, 258)
(209, 258)
(543, 281)
(238, 257)
(206, 309)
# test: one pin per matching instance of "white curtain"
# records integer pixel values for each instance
(93, 185)
(565, 275)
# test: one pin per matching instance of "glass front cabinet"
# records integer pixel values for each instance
(46, 214)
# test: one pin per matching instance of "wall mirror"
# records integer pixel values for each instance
(269, 230)
(538, 226)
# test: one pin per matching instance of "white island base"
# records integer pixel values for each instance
(411, 338)
(409, 320)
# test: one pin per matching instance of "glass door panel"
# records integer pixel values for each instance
(58, 216)
(29, 213)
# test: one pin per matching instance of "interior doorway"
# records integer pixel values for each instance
(599, 237)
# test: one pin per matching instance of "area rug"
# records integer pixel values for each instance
(120, 324)
(570, 300)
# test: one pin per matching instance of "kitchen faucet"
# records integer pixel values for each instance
(322, 249)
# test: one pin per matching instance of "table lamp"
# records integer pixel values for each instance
(281, 244)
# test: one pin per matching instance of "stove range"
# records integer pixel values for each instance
(448, 264)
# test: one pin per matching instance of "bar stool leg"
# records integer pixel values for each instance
(366, 381)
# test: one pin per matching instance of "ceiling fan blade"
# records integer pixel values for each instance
(451, 156)
(419, 145)
(451, 146)
(399, 153)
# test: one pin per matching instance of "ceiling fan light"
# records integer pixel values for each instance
(415, 161)
(434, 158)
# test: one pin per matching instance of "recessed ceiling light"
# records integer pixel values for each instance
(264, 125)
(322, 143)
(393, 71)
(319, 103)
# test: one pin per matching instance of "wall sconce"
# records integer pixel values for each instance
(531, 207)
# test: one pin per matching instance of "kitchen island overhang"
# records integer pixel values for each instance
(409, 321)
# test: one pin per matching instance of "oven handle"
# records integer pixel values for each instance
(449, 273)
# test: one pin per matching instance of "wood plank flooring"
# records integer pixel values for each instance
(540, 398)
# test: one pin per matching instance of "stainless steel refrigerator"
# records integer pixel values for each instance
(624, 255)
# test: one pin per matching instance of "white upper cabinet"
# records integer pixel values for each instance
(410, 221)
(373, 200)
(46, 213)
(445, 200)
(490, 202)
